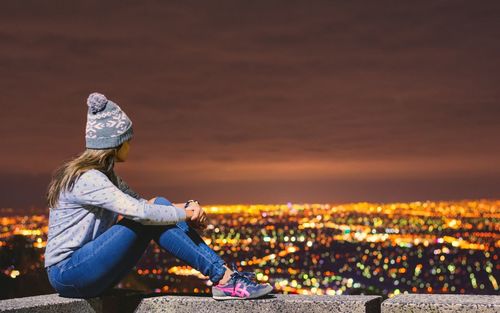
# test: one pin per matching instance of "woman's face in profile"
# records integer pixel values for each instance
(122, 154)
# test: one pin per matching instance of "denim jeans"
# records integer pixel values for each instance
(100, 264)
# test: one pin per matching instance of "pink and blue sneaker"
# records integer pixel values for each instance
(241, 285)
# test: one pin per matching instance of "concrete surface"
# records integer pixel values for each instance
(46, 303)
(130, 301)
(127, 300)
(274, 303)
(441, 303)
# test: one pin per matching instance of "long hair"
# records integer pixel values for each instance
(64, 177)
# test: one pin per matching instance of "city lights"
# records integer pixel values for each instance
(324, 249)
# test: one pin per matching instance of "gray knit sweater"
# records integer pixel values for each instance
(91, 207)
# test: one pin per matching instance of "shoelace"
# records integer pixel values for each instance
(249, 275)
(243, 276)
(238, 277)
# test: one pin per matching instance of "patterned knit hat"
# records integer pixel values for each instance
(107, 125)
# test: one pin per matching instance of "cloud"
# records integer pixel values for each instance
(304, 91)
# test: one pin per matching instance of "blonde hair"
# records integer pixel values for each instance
(64, 177)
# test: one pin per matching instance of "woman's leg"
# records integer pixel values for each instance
(185, 243)
(100, 264)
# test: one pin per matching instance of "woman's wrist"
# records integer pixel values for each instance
(181, 211)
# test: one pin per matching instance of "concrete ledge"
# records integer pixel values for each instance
(118, 300)
(46, 303)
(274, 303)
(130, 301)
(127, 300)
(441, 303)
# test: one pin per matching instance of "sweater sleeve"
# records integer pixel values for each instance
(94, 188)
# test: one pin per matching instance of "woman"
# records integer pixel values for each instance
(89, 250)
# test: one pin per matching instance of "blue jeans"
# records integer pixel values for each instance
(100, 264)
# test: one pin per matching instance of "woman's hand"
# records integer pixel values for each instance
(196, 216)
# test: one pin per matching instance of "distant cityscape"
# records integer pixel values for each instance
(324, 249)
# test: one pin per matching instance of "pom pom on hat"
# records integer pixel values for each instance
(97, 102)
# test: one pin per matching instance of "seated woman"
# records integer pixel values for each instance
(89, 251)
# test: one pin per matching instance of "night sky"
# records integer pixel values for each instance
(258, 101)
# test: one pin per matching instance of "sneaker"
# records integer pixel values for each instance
(249, 275)
(241, 286)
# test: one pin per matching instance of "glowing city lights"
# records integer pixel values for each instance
(330, 249)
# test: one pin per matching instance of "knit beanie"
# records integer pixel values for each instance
(107, 125)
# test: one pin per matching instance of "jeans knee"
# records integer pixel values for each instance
(183, 225)
(162, 200)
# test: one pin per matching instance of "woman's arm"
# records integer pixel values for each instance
(189, 213)
(94, 188)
